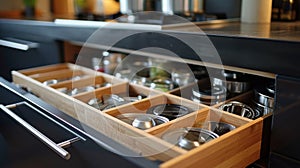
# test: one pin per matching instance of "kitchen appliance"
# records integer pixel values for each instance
(128, 7)
(193, 10)
(186, 7)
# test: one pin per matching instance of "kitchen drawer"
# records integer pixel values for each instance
(237, 148)
(22, 148)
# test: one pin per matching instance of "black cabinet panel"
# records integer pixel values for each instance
(19, 148)
(14, 59)
(285, 135)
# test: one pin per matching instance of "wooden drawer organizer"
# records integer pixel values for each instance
(237, 148)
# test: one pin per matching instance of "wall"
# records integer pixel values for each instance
(42, 6)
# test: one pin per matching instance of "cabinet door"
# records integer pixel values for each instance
(14, 59)
(285, 135)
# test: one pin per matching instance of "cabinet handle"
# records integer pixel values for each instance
(56, 148)
(18, 44)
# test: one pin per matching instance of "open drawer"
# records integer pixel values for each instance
(237, 148)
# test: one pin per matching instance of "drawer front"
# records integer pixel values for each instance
(20, 148)
(16, 59)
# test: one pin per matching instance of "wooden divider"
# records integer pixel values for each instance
(44, 69)
(237, 148)
(87, 81)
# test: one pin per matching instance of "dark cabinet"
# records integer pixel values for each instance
(14, 57)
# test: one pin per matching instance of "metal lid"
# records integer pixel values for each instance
(142, 121)
(265, 95)
(219, 128)
(189, 137)
(209, 93)
(261, 109)
(235, 82)
(230, 75)
(170, 111)
(239, 108)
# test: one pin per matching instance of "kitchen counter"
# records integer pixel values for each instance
(258, 47)
(287, 31)
(249, 46)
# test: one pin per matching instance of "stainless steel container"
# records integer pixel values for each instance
(189, 137)
(128, 7)
(186, 7)
(142, 121)
(265, 95)
(235, 83)
(207, 94)
(193, 6)
(170, 111)
(239, 108)
(219, 128)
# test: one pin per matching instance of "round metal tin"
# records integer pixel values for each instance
(170, 111)
(142, 121)
(189, 137)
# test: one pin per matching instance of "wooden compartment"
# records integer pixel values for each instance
(142, 106)
(237, 148)
(29, 78)
(187, 93)
(65, 72)
(97, 82)
(122, 90)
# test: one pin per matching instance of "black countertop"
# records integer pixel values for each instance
(287, 31)
(269, 48)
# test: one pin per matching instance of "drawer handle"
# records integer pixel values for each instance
(55, 147)
(18, 44)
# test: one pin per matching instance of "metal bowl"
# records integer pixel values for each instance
(170, 111)
(142, 121)
(239, 108)
(189, 137)
(219, 128)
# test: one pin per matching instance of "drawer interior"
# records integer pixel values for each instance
(239, 147)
